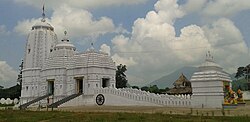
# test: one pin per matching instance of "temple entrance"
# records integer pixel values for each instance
(105, 82)
(79, 85)
(51, 86)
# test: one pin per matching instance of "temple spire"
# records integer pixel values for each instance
(92, 46)
(65, 33)
(43, 15)
(209, 57)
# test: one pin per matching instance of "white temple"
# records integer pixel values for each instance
(54, 70)
(55, 75)
(208, 84)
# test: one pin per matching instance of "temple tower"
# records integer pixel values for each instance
(40, 43)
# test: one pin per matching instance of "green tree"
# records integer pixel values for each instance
(19, 77)
(244, 71)
(166, 89)
(120, 77)
(145, 88)
(154, 89)
(1, 87)
(240, 72)
(135, 87)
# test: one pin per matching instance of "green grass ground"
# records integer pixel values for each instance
(57, 116)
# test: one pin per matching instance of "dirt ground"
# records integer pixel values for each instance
(239, 111)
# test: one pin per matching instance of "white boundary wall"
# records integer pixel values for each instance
(143, 98)
(246, 95)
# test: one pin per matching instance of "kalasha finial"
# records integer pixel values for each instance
(43, 15)
(65, 33)
(209, 57)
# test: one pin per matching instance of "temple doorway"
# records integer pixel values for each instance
(51, 87)
(105, 82)
(79, 85)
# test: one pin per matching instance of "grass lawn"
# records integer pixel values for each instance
(57, 116)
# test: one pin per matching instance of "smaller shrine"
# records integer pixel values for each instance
(182, 86)
(209, 84)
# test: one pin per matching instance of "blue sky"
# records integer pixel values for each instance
(152, 37)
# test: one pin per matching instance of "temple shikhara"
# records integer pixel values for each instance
(182, 86)
(56, 75)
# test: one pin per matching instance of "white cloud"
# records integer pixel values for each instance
(78, 22)
(24, 27)
(8, 76)
(121, 60)
(194, 5)
(105, 48)
(227, 44)
(3, 30)
(217, 8)
(155, 50)
(80, 3)
(226, 7)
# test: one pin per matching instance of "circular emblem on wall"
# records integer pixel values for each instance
(100, 99)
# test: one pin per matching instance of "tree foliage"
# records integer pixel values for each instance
(243, 71)
(154, 89)
(240, 72)
(19, 77)
(12, 92)
(135, 87)
(120, 77)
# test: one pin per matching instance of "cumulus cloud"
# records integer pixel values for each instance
(81, 3)
(217, 8)
(121, 60)
(78, 22)
(155, 50)
(105, 48)
(226, 7)
(8, 75)
(24, 27)
(227, 44)
(3, 30)
(194, 5)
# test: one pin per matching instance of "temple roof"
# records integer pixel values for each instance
(181, 80)
(210, 64)
(63, 58)
(93, 58)
(210, 71)
(65, 43)
(42, 23)
(181, 86)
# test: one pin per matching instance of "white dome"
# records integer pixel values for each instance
(92, 58)
(65, 43)
(209, 70)
(209, 64)
(42, 24)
